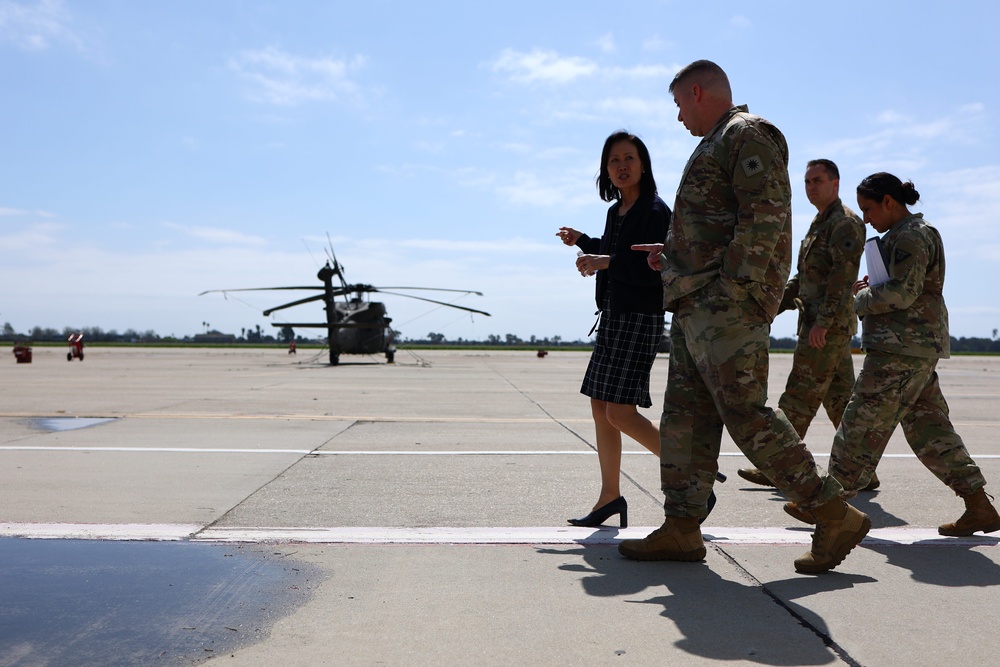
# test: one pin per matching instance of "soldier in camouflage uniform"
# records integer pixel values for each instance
(904, 331)
(724, 266)
(821, 291)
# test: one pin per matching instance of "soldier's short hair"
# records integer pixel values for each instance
(831, 168)
(709, 75)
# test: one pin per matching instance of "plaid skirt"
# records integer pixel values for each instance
(622, 358)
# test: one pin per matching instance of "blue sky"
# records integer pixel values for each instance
(154, 150)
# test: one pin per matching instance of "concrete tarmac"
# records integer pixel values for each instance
(170, 506)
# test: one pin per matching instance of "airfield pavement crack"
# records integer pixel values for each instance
(824, 637)
(593, 447)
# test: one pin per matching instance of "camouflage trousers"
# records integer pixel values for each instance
(717, 377)
(823, 376)
(895, 389)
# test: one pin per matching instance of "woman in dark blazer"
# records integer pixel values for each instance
(630, 305)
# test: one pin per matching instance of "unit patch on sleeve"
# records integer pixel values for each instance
(752, 165)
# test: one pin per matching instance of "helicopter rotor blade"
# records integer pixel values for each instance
(333, 257)
(440, 303)
(295, 303)
(260, 289)
(329, 244)
(327, 325)
(434, 289)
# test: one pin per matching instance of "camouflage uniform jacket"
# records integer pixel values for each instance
(732, 218)
(829, 258)
(906, 315)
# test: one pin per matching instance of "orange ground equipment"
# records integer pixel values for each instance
(75, 347)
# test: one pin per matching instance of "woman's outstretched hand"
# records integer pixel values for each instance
(569, 235)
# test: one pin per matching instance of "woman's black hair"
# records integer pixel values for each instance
(607, 189)
(877, 186)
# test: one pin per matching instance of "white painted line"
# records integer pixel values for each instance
(303, 452)
(458, 535)
(87, 531)
(375, 452)
(168, 450)
(569, 535)
(360, 418)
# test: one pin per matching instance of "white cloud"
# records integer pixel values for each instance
(30, 238)
(285, 79)
(964, 125)
(643, 107)
(37, 26)
(654, 44)
(606, 43)
(967, 200)
(215, 235)
(529, 189)
(549, 66)
(740, 22)
(516, 245)
(905, 143)
(516, 147)
(542, 66)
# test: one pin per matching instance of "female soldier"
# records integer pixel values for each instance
(904, 331)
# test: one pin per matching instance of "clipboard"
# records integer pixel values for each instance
(875, 261)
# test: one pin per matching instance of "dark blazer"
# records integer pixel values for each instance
(635, 288)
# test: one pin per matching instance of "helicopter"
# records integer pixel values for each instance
(355, 324)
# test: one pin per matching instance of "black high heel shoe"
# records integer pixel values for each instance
(601, 514)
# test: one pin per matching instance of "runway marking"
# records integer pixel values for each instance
(364, 418)
(294, 417)
(375, 452)
(159, 450)
(156, 532)
(568, 535)
(457, 536)
(356, 418)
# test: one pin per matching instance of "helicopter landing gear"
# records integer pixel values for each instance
(334, 359)
(390, 356)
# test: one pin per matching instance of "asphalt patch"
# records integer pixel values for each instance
(67, 423)
(86, 602)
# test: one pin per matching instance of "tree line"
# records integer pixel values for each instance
(255, 334)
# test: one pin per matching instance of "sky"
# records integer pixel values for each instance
(150, 151)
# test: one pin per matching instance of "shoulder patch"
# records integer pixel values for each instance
(752, 165)
(900, 256)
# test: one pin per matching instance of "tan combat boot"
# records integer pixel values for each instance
(839, 528)
(679, 538)
(794, 511)
(979, 515)
(755, 476)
